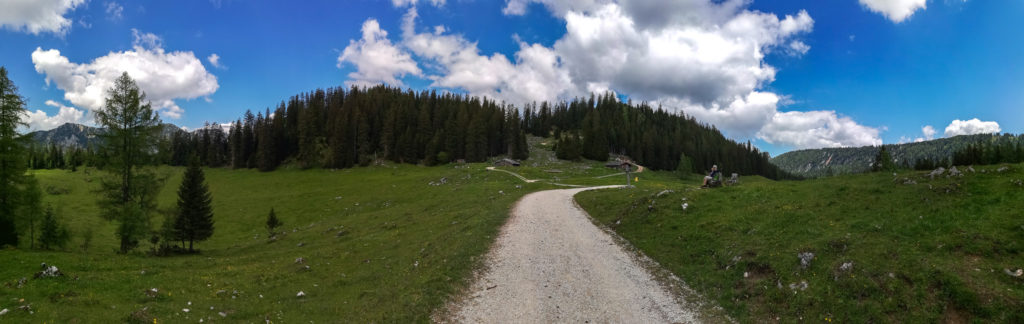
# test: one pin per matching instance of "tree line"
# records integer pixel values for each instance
(594, 127)
(335, 128)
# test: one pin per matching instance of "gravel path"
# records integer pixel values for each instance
(551, 264)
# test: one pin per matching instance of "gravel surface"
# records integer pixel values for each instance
(551, 264)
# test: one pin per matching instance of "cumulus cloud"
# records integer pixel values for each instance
(536, 74)
(704, 58)
(163, 76)
(39, 120)
(37, 16)
(972, 126)
(214, 60)
(114, 11)
(895, 10)
(929, 134)
(376, 59)
(815, 129)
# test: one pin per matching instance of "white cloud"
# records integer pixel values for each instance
(38, 120)
(376, 59)
(701, 57)
(928, 131)
(815, 129)
(114, 11)
(36, 16)
(972, 126)
(214, 60)
(163, 76)
(404, 3)
(895, 10)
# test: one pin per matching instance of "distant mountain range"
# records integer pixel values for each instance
(81, 136)
(834, 161)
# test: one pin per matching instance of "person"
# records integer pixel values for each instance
(711, 176)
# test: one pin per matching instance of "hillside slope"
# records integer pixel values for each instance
(845, 160)
(862, 248)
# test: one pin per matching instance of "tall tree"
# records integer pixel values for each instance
(12, 163)
(128, 196)
(195, 214)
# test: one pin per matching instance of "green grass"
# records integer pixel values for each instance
(929, 252)
(406, 247)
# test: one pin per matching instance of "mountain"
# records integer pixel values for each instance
(81, 136)
(834, 161)
(67, 135)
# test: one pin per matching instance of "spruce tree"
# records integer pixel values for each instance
(12, 155)
(53, 234)
(128, 195)
(273, 223)
(195, 214)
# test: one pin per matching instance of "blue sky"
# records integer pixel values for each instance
(785, 74)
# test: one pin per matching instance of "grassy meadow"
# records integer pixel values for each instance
(381, 244)
(884, 250)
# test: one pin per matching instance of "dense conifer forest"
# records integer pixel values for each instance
(341, 128)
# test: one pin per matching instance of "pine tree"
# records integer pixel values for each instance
(12, 163)
(31, 207)
(195, 212)
(132, 131)
(53, 234)
(273, 223)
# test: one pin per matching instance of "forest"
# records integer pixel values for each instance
(339, 128)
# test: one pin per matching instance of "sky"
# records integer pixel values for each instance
(785, 75)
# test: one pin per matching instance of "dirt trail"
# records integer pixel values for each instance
(552, 264)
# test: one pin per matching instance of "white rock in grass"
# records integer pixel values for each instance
(185, 310)
(4, 312)
(300, 294)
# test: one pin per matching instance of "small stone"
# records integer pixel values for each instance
(300, 244)
(300, 260)
(185, 310)
(300, 294)
(3, 312)
(846, 266)
(222, 314)
(805, 259)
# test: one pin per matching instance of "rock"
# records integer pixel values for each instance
(1017, 274)
(49, 272)
(802, 285)
(152, 292)
(970, 168)
(1017, 182)
(3, 312)
(22, 281)
(300, 260)
(937, 172)
(846, 266)
(340, 233)
(300, 294)
(908, 181)
(300, 244)
(953, 172)
(185, 310)
(685, 206)
(664, 192)
(805, 259)
(222, 314)
(1003, 169)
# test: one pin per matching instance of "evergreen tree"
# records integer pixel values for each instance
(195, 213)
(32, 207)
(685, 166)
(12, 155)
(53, 234)
(273, 223)
(128, 196)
